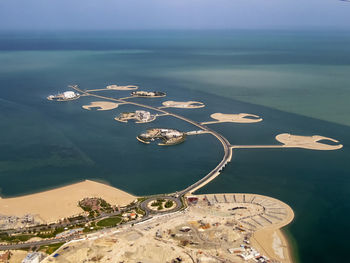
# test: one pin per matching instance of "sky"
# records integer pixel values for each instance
(173, 14)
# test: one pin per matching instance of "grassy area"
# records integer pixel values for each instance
(49, 249)
(52, 233)
(168, 204)
(158, 202)
(141, 199)
(109, 222)
(16, 238)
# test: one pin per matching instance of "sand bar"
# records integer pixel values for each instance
(297, 141)
(101, 105)
(116, 87)
(237, 118)
(183, 104)
(307, 142)
(62, 202)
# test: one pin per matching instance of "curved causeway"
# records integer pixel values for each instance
(225, 143)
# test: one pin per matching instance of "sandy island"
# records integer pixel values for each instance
(101, 105)
(308, 142)
(315, 142)
(183, 104)
(116, 87)
(237, 118)
(62, 202)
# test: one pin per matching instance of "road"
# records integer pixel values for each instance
(225, 143)
(148, 211)
(190, 189)
(36, 243)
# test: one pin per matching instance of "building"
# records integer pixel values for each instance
(67, 95)
(33, 257)
(143, 116)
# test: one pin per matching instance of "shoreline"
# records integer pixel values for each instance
(280, 242)
(56, 204)
(61, 202)
(292, 244)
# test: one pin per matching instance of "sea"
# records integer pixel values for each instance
(298, 81)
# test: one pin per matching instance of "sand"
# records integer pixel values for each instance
(272, 241)
(116, 87)
(18, 256)
(297, 141)
(237, 118)
(62, 202)
(307, 142)
(152, 240)
(101, 105)
(183, 104)
(273, 244)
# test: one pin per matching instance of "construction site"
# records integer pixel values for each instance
(213, 228)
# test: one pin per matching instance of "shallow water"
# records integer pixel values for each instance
(278, 75)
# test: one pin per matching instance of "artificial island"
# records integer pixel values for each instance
(94, 222)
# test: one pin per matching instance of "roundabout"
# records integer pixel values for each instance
(161, 204)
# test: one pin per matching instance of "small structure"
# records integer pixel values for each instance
(159, 234)
(192, 200)
(70, 232)
(33, 257)
(65, 96)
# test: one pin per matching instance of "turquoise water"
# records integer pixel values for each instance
(298, 82)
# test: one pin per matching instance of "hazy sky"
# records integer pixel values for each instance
(178, 14)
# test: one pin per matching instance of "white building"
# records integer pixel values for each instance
(34, 257)
(143, 115)
(69, 94)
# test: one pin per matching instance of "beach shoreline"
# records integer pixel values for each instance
(62, 202)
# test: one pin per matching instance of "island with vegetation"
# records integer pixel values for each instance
(139, 116)
(148, 94)
(167, 136)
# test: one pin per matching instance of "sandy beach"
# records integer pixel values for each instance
(272, 241)
(62, 202)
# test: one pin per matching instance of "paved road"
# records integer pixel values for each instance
(149, 211)
(225, 143)
(190, 189)
(36, 243)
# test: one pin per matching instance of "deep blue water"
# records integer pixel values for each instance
(298, 82)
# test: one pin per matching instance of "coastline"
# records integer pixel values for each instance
(292, 244)
(274, 241)
(54, 204)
